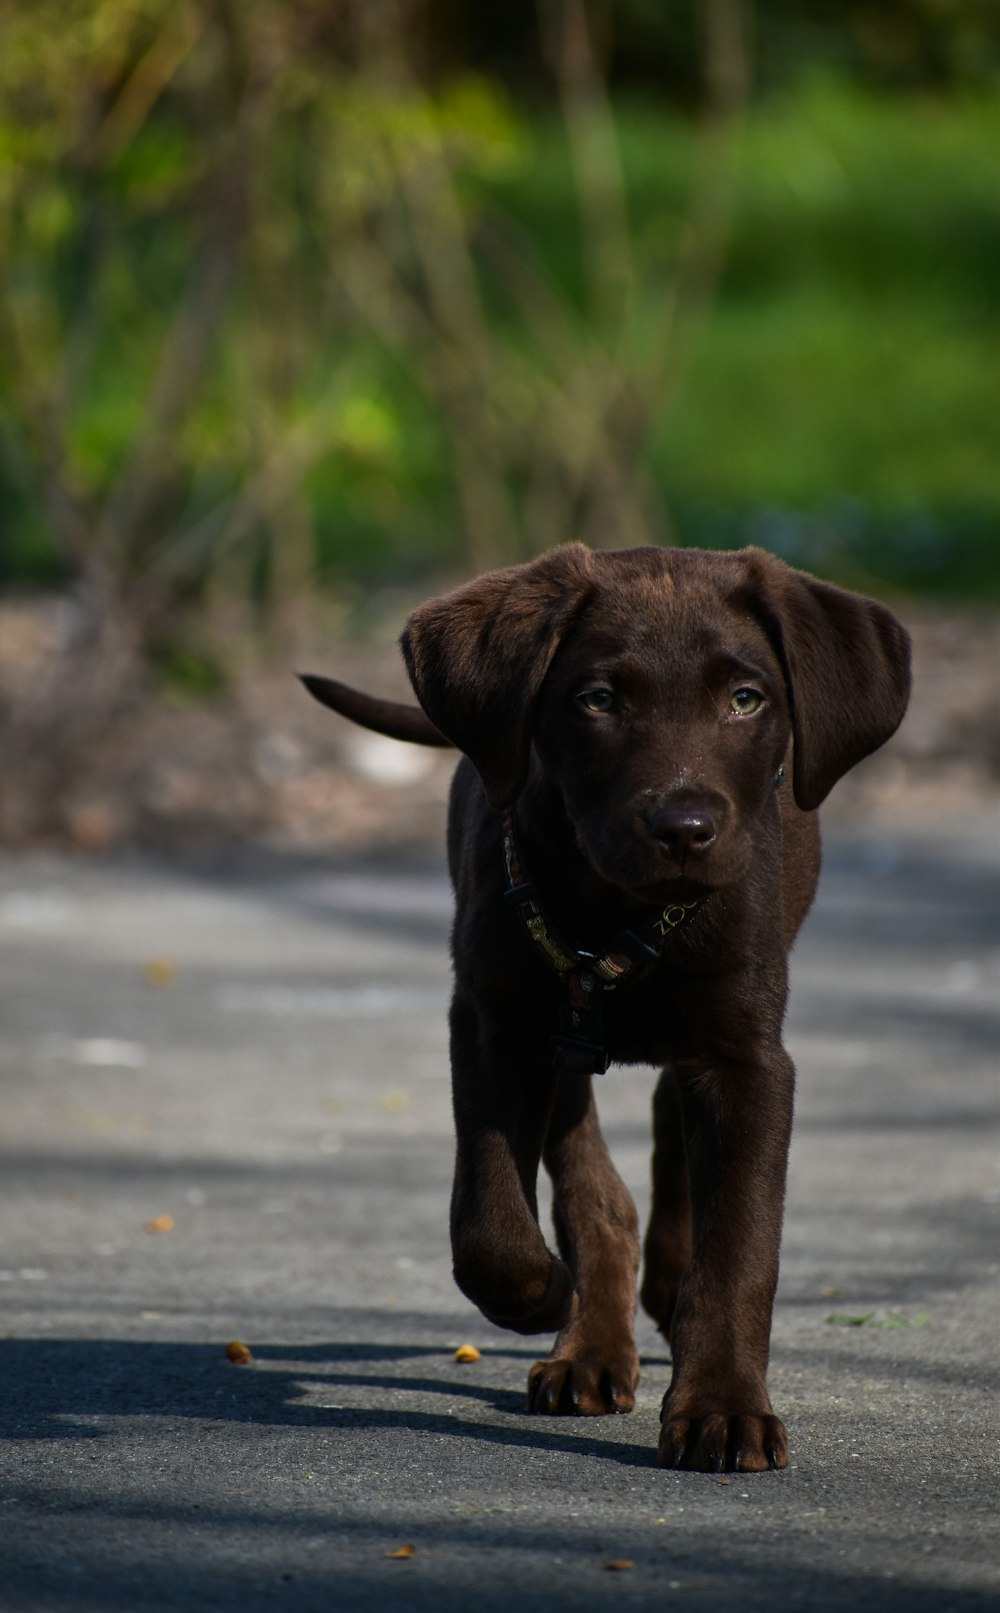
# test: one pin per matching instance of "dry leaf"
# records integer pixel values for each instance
(239, 1354)
(159, 971)
(466, 1352)
(618, 1564)
(409, 1550)
(160, 1223)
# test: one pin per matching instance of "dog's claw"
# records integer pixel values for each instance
(720, 1443)
(565, 1385)
(542, 1396)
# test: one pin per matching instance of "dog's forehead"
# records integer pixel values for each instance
(677, 601)
(667, 579)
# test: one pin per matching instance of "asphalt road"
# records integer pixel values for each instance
(256, 1052)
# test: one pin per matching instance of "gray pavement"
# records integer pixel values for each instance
(256, 1049)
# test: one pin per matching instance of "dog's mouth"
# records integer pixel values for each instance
(649, 876)
(660, 892)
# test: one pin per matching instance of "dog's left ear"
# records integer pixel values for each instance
(847, 667)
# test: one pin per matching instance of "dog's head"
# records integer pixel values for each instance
(657, 690)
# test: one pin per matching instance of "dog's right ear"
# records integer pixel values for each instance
(846, 661)
(477, 658)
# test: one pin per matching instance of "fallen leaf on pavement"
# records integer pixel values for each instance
(159, 971)
(409, 1550)
(238, 1353)
(160, 1223)
(886, 1319)
(466, 1352)
(618, 1564)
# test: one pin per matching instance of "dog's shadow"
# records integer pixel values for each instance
(67, 1389)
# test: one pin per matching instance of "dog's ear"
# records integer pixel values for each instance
(847, 667)
(477, 658)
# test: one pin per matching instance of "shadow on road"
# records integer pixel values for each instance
(64, 1385)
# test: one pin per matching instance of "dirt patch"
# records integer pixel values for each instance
(264, 763)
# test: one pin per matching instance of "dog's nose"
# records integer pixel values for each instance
(683, 830)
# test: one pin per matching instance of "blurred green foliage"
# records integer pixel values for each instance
(649, 44)
(279, 306)
(841, 403)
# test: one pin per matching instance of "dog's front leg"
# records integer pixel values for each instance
(737, 1124)
(594, 1365)
(668, 1238)
(503, 1094)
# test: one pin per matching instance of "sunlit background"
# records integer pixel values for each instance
(309, 307)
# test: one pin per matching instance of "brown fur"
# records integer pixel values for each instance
(665, 793)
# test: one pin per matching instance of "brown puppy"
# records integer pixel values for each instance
(631, 866)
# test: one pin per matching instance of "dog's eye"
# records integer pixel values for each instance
(598, 699)
(744, 701)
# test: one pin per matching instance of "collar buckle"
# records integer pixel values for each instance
(516, 895)
(578, 1055)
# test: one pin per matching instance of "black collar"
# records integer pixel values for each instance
(585, 976)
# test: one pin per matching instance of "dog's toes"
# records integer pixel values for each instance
(760, 1443)
(619, 1391)
(549, 1389)
(566, 1387)
(719, 1443)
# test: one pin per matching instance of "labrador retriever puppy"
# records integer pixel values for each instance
(633, 844)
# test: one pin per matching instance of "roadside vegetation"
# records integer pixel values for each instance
(301, 301)
(274, 312)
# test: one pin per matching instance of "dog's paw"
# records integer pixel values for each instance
(533, 1314)
(567, 1386)
(720, 1443)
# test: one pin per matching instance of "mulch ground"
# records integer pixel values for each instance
(262, 763)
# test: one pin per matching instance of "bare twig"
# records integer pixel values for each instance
(183, 360)
(567, 32)
(260, 499)
(146, 82)
(463, 357)
(726, 54)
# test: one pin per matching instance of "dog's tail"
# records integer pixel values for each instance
(387, 717)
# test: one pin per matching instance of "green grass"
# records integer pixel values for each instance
(841, 401)
(853, 349)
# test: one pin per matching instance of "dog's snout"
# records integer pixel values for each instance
(684, 830)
